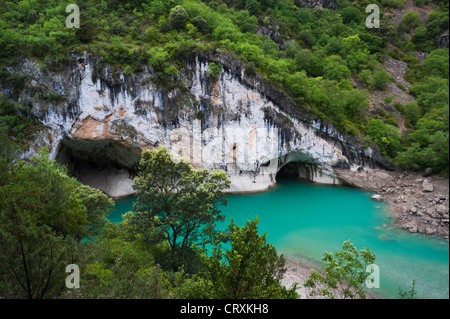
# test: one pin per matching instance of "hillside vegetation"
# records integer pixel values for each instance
(326, 60)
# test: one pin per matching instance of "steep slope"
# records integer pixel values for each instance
(231, 121)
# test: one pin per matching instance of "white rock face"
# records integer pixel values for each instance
(238, 130)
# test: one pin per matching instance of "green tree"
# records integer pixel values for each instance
(245, 21)
(437, 63)
(381, 78)
(410, 21)
(410, 159)
(115, 266)
(40, 217)
(412, 112)
(344, 273)
(432, 93)
(351, 14)
(334, 69)
(250, 269)
(253, 6)
(178, 201)
(386, 136)
(98, 206)
(202, 25)
(178, 17)
(214, 70)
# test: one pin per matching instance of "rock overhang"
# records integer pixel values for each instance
(235, 122)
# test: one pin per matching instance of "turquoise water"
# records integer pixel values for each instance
(303, 220)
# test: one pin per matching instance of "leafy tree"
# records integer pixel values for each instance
(178, 201)
(98, 205)
(253, 6)
(214, 70)
(344, 273)
(412, 112)
(119, 266)
(335, 70)
(40, 215)
(250, 269)
(200, 23)
(366, 77)
(411, 158)
(437, 63)
(381, 78)
(410, 21)
(14, 122)
(431, 93)
(158, 8)
(386, 136)
(351, 14)
(9, 153)
(178, 17)
(245, 21)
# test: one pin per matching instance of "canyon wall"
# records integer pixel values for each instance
(233, 121)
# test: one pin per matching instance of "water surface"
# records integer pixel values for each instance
(303, 220)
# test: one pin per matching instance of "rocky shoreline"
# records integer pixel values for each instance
(298, 272)
(417, 204)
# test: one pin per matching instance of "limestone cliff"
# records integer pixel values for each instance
(235, 121)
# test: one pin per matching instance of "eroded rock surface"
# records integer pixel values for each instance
(236, 122)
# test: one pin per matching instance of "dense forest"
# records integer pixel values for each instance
(325, 59)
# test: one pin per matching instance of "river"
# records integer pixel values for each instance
(303, 220)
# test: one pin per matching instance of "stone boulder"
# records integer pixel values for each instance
(441, 209)
(378, 198)
(430, 230)
(427, 187)
(411, 227)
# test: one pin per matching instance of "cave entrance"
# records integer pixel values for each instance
(298, 170)
(106, 165)
(301, 166)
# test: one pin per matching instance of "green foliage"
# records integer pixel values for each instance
(366, 77)
(122, 269)
(410, 21)
(411, 294)
(98, 206)
(344, 273)
(386, 136)
(428, 147)
(178, 17)
(13, 121)
(412, 112)
(351, 14)
(380, 79)
(335, 70)
(250, 269)
(214, 70)
(40, 216)
(310, 54)
(437, 63)
(178, 201)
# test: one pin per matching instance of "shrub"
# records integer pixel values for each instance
(214, 70)
(178, 17)
(381, 78)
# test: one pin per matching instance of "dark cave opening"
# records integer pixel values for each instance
(103, 164)
(299, 170)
